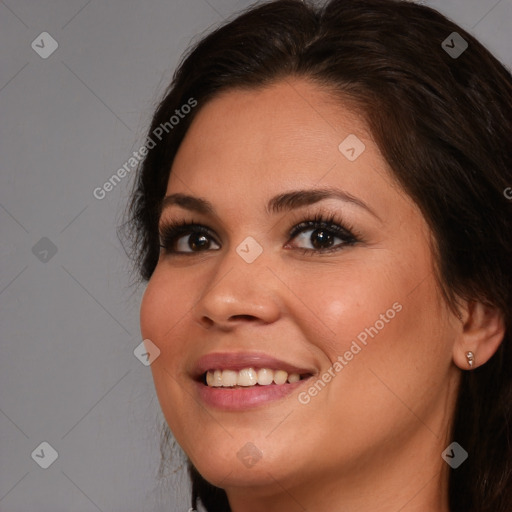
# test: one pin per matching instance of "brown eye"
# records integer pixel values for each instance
(321, 236)
(187, 238)
(196, 242)
(322, 239)
(318, 239)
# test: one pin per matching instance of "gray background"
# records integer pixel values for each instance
(69, 325)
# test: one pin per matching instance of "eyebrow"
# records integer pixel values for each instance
(282, 202)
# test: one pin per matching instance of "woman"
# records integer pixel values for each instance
(322, 220)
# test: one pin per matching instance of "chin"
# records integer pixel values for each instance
(243, 459)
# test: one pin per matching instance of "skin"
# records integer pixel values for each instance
(374, 435)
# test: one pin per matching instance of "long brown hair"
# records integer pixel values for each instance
(444, 125)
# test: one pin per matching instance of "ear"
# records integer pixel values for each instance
(482, 331)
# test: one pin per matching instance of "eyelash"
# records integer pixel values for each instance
(170, 231)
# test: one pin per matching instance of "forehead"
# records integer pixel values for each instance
(292, 134)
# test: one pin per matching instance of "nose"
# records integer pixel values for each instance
(238, 292)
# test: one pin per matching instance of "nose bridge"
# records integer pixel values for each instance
(240, 287)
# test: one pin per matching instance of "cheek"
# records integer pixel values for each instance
(162, 303)
(346, 302)
(395, 328)
(391, 332)
(385, 315)
(164, 308)
(166, 304)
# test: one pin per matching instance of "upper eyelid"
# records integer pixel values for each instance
(188, 228)
(300, 214)
(186, 221)
(300, 218)
(185, 227)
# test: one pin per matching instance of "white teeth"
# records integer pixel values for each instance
(229, 378)
(280, 376)
(249, 377)
(214, 379)
(217, 378)
(265, 377)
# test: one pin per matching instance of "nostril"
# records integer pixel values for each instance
(243, 317)
(206, 322)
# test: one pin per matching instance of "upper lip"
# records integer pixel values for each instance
(239, 360)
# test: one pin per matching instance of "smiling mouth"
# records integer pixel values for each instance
(250, 377)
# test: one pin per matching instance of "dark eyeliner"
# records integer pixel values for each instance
(169, 231)
(330, 223)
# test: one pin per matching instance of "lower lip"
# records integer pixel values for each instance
(238, 399)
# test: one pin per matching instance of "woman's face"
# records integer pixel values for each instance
(310, 261)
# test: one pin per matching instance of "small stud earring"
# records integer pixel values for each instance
(471, 358)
